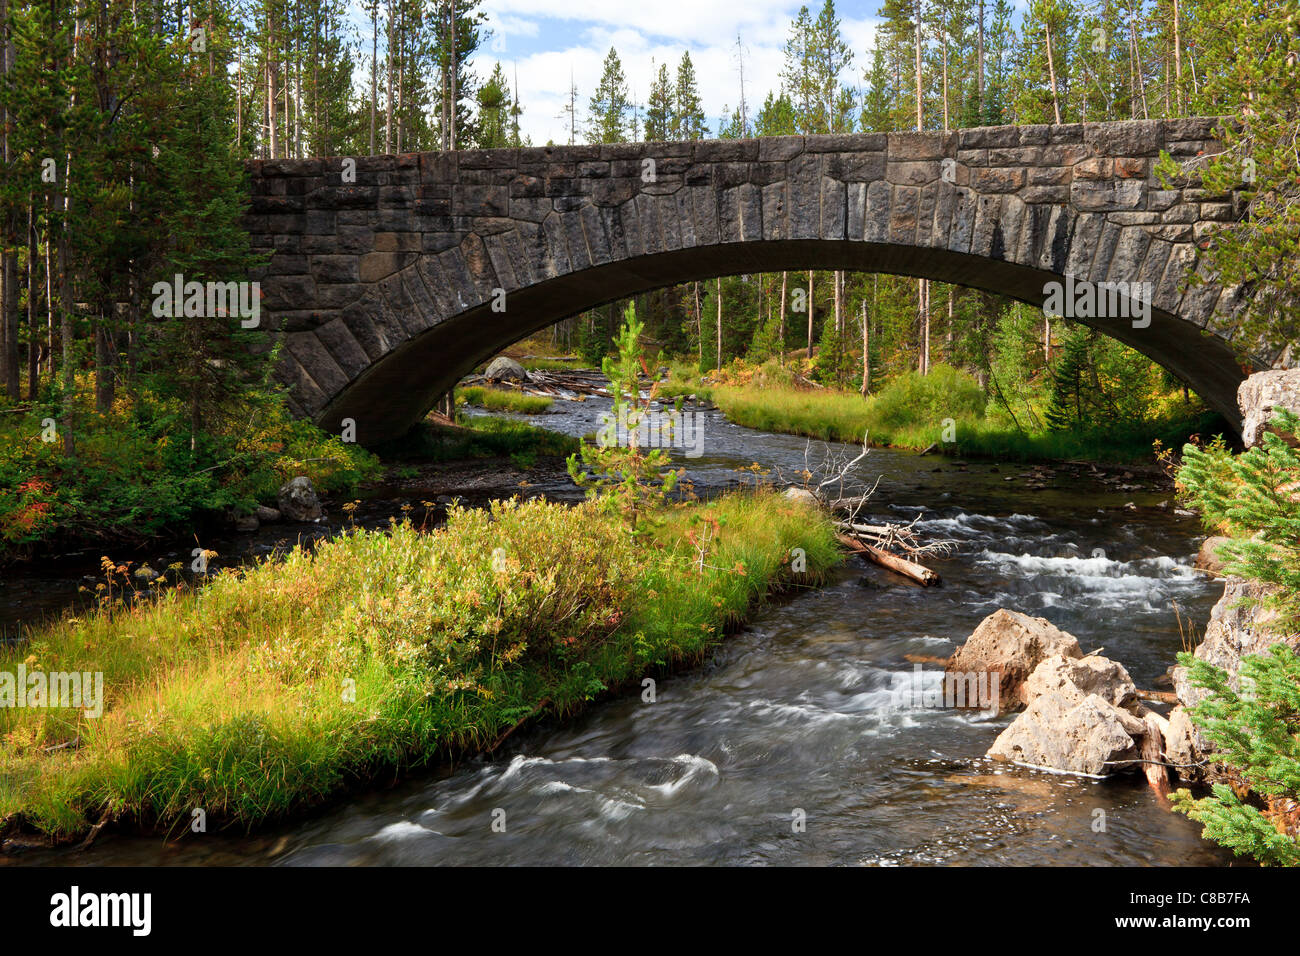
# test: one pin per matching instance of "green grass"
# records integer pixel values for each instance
(550, 364)
(479, 436)
(232, 699)
(911, 412)
(501, 400)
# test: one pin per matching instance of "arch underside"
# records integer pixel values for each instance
(397, 391)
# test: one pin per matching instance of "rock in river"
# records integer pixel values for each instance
(1090, 735)
(1012, 644)
(505, 369)
(298, 501)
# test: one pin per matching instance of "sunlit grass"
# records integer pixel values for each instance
(501, 400)
(904, 415)
(281, 685)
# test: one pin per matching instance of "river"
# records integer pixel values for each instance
(796, 742)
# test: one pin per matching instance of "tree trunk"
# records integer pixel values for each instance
(1051, 72)
(810, 315)
(781, 334)
(866, 351)
(719, 365)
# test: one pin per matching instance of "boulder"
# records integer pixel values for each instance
(267, 515)
(505, 369)
(298, 501)
(1012, 645)
(1089, 736)
(1206, 559)
(247, 523)
(1077, 678)
(145, 573)
(801, 495)
(1263, 393)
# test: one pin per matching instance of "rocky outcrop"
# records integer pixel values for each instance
(1239, 625)
(1261, 395)
(1012, 645)
(298, 501)
(505, 369)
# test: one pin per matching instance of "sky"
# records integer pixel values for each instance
(545, 42)
(549, 40)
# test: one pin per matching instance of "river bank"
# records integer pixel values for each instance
(944, 412)
(277, 688)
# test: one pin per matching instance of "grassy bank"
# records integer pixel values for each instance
(501, 400)
(235, 699)
(479, 436)
(945, 408)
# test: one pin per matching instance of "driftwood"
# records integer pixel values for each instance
(909, 569)
(1159, 696)
(1152, 751)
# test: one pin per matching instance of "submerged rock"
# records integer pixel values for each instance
(298, 501)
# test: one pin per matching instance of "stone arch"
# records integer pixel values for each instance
(383, 289)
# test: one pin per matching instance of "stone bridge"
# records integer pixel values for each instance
(392, 280)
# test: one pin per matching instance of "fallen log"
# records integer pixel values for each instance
(1159, 696)
(908, 569)
(1152, 751)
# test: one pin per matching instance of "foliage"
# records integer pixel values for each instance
(617, 471)
(1256, 734)
(1253, 497)
(1253, 721)
(134, 478)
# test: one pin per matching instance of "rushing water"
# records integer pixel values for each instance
(805, 713)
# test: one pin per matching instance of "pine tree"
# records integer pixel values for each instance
(1253, 721)
(689, 121)
(609, 106)
(659, 107)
